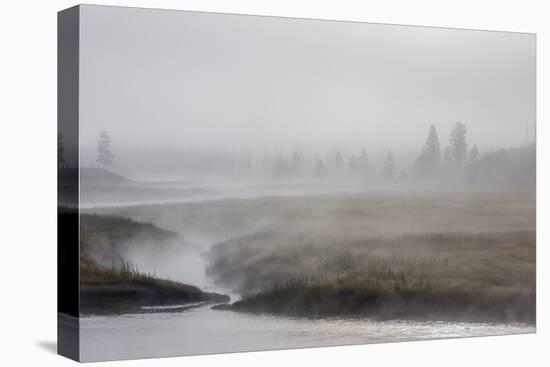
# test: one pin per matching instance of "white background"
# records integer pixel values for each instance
(28, 141)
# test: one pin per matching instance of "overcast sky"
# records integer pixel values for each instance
(157, 79)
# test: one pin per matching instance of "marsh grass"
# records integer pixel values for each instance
(451, 276)
(126, 289)
(392, 299)
(91, 272)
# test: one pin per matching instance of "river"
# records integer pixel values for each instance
(202, 330)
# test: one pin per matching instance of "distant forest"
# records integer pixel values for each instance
(457, 166)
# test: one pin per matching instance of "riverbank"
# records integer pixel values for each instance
(110, 283)
(121, 290)
(396, 299)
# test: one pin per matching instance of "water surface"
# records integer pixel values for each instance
(202, 330)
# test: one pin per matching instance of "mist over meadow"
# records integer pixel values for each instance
(301, 174)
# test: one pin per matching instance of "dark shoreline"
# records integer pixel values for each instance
(423, 305)
(107, 291)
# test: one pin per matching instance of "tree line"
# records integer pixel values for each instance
(456, 163)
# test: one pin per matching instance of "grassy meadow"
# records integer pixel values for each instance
(388, 255)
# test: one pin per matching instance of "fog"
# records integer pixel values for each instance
(164, 83)
(320, 173)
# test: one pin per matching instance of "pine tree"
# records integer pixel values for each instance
(388, 172)
(338, 163)
(429, 159)
(320, 169)
(104, 155)
(457, 144)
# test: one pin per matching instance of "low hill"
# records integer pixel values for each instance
(91, 176)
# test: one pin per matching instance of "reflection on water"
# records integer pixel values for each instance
(202, 330)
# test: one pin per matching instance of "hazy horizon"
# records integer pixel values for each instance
(165, 81)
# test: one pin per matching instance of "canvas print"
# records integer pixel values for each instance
(235, 183)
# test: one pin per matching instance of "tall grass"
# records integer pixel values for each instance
(128, 270)
(460, 276)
